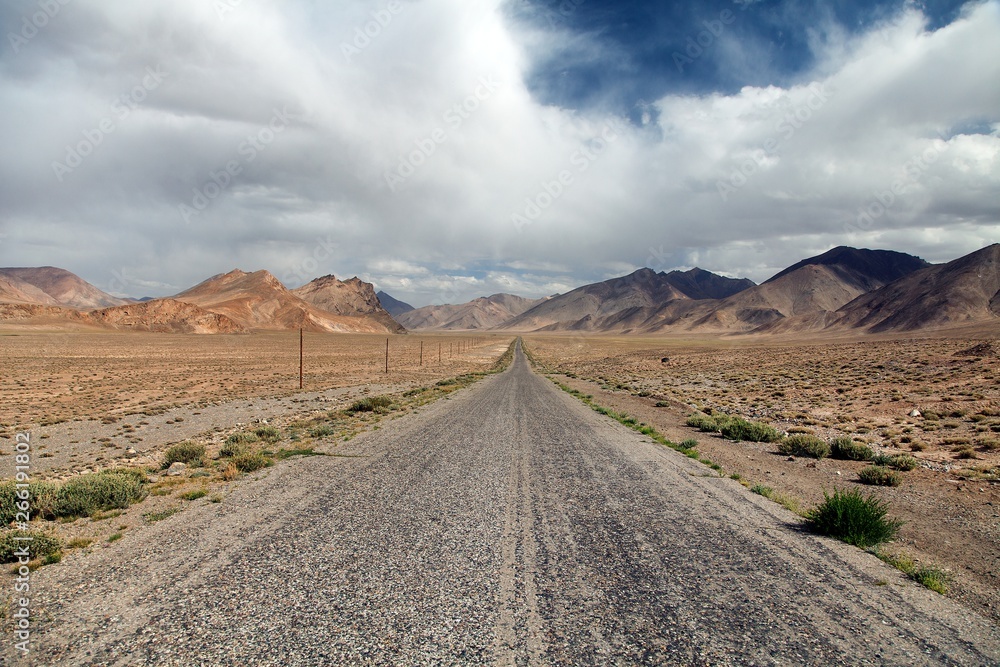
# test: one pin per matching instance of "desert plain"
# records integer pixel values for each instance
(93, 401)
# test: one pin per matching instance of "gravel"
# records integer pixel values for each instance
(507, 525)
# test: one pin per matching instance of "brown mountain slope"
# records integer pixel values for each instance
(163, 315)
(808, 290)
(14, 290)
(350, 298)
(866, 269)
(160, 315)
(482, 313)
(804, 296)
(964, 291)
(259, 301)
(700, 284)
(393, 306)
(585, 308)
(62, 287)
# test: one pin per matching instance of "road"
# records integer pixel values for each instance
(508, 525)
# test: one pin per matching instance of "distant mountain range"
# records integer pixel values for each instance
(233, 302)
(482, 313)
(394, 307)
(844, 289)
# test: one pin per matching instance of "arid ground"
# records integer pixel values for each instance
(49, 378)
(97, 401)
(507, 524)
(866, 389)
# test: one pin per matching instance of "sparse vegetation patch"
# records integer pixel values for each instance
(847, 449)
(854, 518)
(804, 445)
(741, 429)
(879, 476)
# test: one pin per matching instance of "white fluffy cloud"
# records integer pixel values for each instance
(282, 136)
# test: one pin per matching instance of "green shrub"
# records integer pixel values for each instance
(194, 495)
(879, 476)
(238, 443)
(8, 496)
(40, 546)
(81, 496)
(702, 422)
(741, 429)
(242, 438)
(268, 434)
(933, 578)
(804, 445)
(98, 492)
(898, 461)
(189, 453)
(690, 443)
(251, 461)
(846, 449)
(322, 431)
(45, 499)
(762, 490)
(929, 576)
(373, 403)
(853, 518)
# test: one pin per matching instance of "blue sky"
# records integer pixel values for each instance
(448, 149)
(650, 49)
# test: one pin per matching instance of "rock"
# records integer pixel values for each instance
(915, 413)
(130, 452)
(176, 469)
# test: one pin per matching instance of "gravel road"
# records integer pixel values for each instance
(506, 525)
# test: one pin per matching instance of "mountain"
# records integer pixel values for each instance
(48, 285)
(862, 268)
(394, 307)
(700, 284)
(811, 289)
(589, 307)
(162, 315)
(805, 296)
(14, 290)
(963, 291)
(482, 313)
(258, 301)
(349, 298)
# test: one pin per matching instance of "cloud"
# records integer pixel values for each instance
(400, 142)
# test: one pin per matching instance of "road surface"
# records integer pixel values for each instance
(506, 525)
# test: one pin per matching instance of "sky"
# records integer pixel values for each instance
(449, 149)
